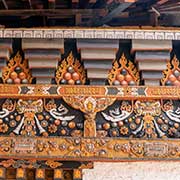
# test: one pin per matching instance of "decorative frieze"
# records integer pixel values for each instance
(103, 149)
(92, 33)
(57, 91)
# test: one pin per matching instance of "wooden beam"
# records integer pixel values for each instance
(142, 6)
(168, 5)
(75, 1)
(5, 4)
(170, 18)
(92, 1)
(143, 20)
(50, 12)
(171, 12)
(30, 4)
(75, 4)
(78, 19)
(116, 11)
(161, 2)
(169, 8)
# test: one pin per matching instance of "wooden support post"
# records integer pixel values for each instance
(154, 19)
(40, 174)
(77, 174)
(20, 174)
(58, 174)
(78, 19)
(52, 4)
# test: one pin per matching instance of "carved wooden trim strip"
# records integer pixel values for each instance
(40, 174)
(104, 149)
(20, 174)
(58, 174)
(21, 164)
(2, 173)
(92, 33)
(54, 91)
(77, 174)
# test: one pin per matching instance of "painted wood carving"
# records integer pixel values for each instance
(17, 71)
(140, 119)
(39, 117)
(43, 126)
(70, 71)
(172, 74)
(123, 73)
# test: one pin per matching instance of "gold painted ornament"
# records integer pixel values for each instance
(70, 71)
(123, 73)
(172, 74)
(17, 71)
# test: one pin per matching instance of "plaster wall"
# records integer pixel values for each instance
(134, 171)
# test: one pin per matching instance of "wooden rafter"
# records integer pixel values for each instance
(51, 4)
(161, 2)
(5, 4)
(50, 12)
(116, 11)
(88, 3)
(30, 4)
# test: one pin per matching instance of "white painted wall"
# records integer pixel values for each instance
(162, 170)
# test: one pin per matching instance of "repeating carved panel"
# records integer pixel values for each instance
(140, 119)
(39, 118)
